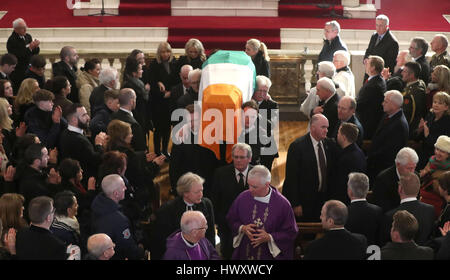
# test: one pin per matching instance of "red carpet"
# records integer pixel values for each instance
(144, 7)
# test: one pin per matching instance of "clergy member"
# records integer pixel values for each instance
(262, 221)
(190, 243)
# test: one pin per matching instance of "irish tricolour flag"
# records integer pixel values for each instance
(228, 80)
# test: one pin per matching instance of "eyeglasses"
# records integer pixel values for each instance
(240, 157)
(202, 228)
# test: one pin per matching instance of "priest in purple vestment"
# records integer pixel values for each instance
(190, 243)
(262, 221)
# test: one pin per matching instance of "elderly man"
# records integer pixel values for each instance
(312, 154)
(181, 88)
(23, 47)
(408, 189)
(439, 45)
(325, 69)
(229, 182)
(262, 221)
(332, 42)
(418, 49)
(383, 43)
(8, 63)
(190, 243)
(191, 96)
(100, 247)
(109, 80)
(326, 91)
(344, 75)
(414, 97)
(190, 197)
(363, 217)
(338, 243)
(404, 229)
(346, 114)
(67, 67)
(391, 135)
(269, 112)
(370, 96)
(384, 189)
(107, 218)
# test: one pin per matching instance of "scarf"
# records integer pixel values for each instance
(71, 222)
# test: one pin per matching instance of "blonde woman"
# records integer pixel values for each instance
(163, 73)
(440, 81)
(257, 50)
(194, 54)
(24, 98)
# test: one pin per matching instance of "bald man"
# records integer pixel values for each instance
(180, 89)
(308, 167)
(439, 45)
(100, 247)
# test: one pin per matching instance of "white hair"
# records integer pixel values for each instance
(111, 183)
(342, 56)
(193, 73)
(263, 81)
(191, 220)
(444, 40)
(327, 68)
(358, 184)
(18, 21)
(384, 18)
(107, 75)
(395, 97)
(327, 83)
(334, 25)
(261, 172)
(186, 67)
(406, 155)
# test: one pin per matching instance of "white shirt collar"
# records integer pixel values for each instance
(264, 199)
(129, 112)
(339, 228)
(314, 141)
(75, 129)
(358, 199)
(187, 243)
(243, 172)
(408, 199)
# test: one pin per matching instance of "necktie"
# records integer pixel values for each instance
(241, 180)
(189, 208)
(378, 40)
(321, 102)
(323, 168)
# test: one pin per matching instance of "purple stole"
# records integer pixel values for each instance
(196, 253)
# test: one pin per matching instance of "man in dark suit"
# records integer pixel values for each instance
(191, 96)
(385, 186)
(74, 144)
(127, 100)
(190, 197)
(108, 80)
(403, 247)
(326, 91)
(363, 217)
(418, 49)
(268, 112)
(391, 135)
(22, 45)
(332, 42)
(369, 110)
(308, 167)
(408, 189)
(229, 182)
(346, 114)
(67, 67)
(337, 243)
(8, 63)
(383, 43)
(350, 159)
(179, 90)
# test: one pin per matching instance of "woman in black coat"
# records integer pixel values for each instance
(194, 56)
(257, 50)
(163, 73)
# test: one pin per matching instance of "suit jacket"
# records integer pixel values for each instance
(17, 46)
(424, 213)
(62, 69)
(139, 140)
(365, 218)
(354, 120)
(387, 49)
(97, 99)
(337, 245)
(425, 73)
(369, 109)
(330, 111)
(390, 136)
(350, 159)
(175, 93)
(301, 185)
(36, 243)
(385, 189)
(142, 113)
(406, 251)
(329, 48)
(168, 219)
(189, 98)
